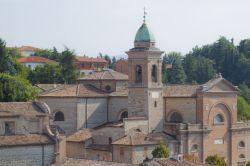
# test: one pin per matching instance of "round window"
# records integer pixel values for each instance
(107, 87)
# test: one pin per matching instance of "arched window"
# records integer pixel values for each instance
(241, 144)
(218, 119)
(138, 72)
(241, 156)
(124, 115)
(59, 116)
(194, 148)
(154, 73)
(175, 117)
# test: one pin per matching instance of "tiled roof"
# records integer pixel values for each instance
(49, 87)
(180, 90)
(84, 162)
(29, 139)
(64, 91)
(36, 59)
(118, 124)
(120, 92)
(28, 109)
(136, 139)
(80, 136)
(27, 48)
(78, 90)
(106, 75)
(91, 59)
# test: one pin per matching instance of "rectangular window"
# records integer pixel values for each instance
(155, 104)
(218, 141)
(9, 128)
(121, 151)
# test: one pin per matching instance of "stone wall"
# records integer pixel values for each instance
(116, 106)
(68, 107)
(184, 106)
(27, 155)
(122, 154)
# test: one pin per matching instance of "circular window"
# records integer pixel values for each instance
(108, 88)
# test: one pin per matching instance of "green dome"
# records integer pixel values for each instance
(144, 34)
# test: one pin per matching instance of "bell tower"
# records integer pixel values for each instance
(145, 97)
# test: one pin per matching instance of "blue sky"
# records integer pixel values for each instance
(109, 26)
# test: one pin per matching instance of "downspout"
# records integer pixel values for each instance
(107, 109)
(43, 155)
(86, 113)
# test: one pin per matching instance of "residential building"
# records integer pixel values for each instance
(33, 61)
(27, 50)
(122, 66)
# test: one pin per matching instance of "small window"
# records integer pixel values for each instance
(121, 151)
(241, 144)
(218, 119)
(107, 87)
(154, 73)
(59, 116)
(138, 72)
(110, 140)
(194, 148)
(89, 65)
(155, 104)
(242, 156)
(83, 65)
(9, 128)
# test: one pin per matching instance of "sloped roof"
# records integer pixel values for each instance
(91, 59)
(144, 34)
(29, 139)
(28, 109)
(136, 139)
(27, 48)
(78, 90)
(49, 87)
(215, 80)
(80, 136)
(106, 75)
(180, 90)
(35, 59)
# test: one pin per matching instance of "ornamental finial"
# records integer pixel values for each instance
(144, 15)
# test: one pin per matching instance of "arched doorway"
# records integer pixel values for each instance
(175, 117)
(123, 114)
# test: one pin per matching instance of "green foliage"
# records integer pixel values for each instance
(216, 160)
(13, 52)
(198, 69)
(243, 109)
(176, 74)
(161, 151)
(245, 91)
(50, 54)
(47, 74)
(7, 64)
(15, 88)
(67, 67)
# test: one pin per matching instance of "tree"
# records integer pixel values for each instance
(243, 109)
(216, 160)
(108, 59)
(244, 47)
(7, 64)
(15, 88)
(161, 151)
(198, 69)
(245, 91)
(47, 74)
(113, 62)
(176, 74)
(67, 67)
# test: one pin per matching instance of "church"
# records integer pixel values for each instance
(116, 117)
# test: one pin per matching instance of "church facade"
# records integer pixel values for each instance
(125, 122)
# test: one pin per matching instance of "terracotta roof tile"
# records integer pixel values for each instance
(106, 75)
(35, 59)
(80, 136)
(30, 139)
(27, 48)
(49, 87)
(64, 91)
(136, 139)
(180, 90)
(90, 91)
(91, 59)
(29, 109)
